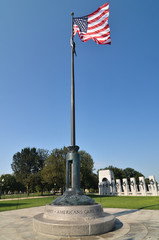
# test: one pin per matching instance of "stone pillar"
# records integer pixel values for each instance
(142, 186)
(100, 187)
(104, 188)
(158, 189)
(153, 185)
(114, 189)
(107, 188)
(133, 186)
(118, 186)
(125, 186)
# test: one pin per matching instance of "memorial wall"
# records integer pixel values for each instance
(108, 185)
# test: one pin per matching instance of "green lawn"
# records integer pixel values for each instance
(24, 203)
(130, 202)
(107, 202)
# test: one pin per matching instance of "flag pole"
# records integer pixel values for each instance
(72, 88)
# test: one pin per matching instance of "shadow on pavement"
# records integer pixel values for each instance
(125, 212)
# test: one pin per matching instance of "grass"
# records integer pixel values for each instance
(129, 202)
(24, 203)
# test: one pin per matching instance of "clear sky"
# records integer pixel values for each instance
(117, 86)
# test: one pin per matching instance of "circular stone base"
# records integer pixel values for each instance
(73, 221)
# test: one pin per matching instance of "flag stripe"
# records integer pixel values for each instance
(95, 33)
(96, 18)
(101, 38)
(100, 21)
(99, 11)
(106, 41)
(99, 32)
(102, 30)
(97, 26)
(105, 36)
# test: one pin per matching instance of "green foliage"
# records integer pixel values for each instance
(27, 163)
(87, 178)
(9, 184)
(54, 169)
(39, 184)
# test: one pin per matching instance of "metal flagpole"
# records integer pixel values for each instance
(73, 194)
(72, 89)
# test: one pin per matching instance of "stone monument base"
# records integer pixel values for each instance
(73, 220)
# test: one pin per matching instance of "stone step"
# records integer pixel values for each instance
(137, 231)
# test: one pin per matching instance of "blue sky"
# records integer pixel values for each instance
(117, 86)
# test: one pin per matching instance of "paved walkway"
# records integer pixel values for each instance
(130, 225)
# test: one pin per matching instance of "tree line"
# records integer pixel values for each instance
(41, 170)
(38, 170)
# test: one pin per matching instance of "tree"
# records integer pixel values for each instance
(94, 181)
(26, 164)
(38, 179)
(87, 178)
(9, 183)
(130, 172)
(53, 172)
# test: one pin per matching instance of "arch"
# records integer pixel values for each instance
(104, 179)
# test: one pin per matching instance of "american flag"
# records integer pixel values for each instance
(94, 26)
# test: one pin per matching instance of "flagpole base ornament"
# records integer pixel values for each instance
(73, 194)
(73, 198)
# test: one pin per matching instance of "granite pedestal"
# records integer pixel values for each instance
(73, 220)
(74, 213)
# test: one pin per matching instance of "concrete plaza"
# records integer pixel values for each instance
(130, 224)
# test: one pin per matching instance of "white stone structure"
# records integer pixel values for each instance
(118, 186)
(142, 186)
(107, 185)
(153, 186)
(133, 186)
(125, 186)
